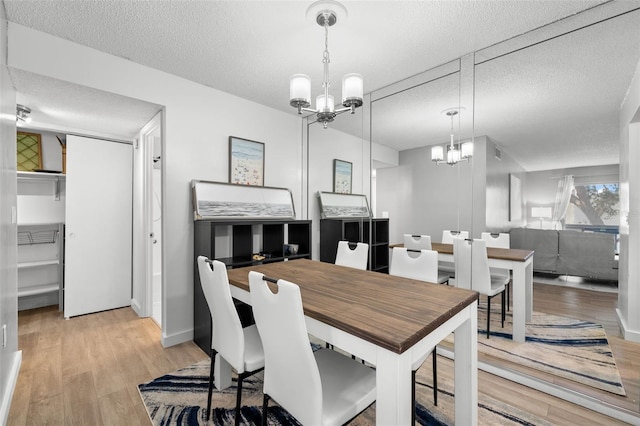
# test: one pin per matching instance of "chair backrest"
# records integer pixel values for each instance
(448, 236)
(356, 258)
(462, 262)
(422, 265)
(227, 337)
(481, 278)
(417, 242)
(500, 240)
(291, 375)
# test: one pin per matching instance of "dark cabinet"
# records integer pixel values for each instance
(234, 243)
(374, 232)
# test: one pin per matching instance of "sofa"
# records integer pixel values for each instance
(568, 252)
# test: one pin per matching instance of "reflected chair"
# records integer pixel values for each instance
(356, 258)
(424, 267)
(448, 237)
(423, 242)
(317, 388)
(499, 240)
(240, 347)
(472, 268)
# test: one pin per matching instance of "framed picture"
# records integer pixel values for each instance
(29, 152)
(342, 171)
(246, 161)
(335, 205)
(221, 200)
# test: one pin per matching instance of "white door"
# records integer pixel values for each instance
(98, 226)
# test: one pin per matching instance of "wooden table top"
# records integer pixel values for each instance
(389, 311)
(516, 255)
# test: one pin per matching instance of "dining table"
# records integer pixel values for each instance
(520, 263)
(387, 321)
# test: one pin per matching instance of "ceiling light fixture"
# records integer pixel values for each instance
(455, 152)
(300, 84)
(22, 114)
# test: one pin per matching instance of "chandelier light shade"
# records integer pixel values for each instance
(300, 84)
(455, 152)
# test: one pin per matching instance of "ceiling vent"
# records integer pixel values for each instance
(498, 153)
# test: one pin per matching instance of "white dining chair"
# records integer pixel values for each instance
(240, 347)
(317, 388)
(417, 242)
(448, 237)
(421, 265)
(472, 265)
(356, 258)
(499, 240)
(420, 242)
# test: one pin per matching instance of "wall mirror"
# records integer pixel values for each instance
(418, 195)
(547, 106)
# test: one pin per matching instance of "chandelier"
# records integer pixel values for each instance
(300, 84)
(22, 114)
(455, 152)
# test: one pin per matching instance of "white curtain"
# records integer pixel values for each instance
(563, 197)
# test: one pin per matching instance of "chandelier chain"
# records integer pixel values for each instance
(325, 61)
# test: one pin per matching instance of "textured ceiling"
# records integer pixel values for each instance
(250, 48)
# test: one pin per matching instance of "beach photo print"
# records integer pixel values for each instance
(246, 162)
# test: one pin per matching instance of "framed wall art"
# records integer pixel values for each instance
(221, 200)
(335, 205)
(246, 162)
(342, 172)
(29, 151)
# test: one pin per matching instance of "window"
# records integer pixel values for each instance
(594, 204)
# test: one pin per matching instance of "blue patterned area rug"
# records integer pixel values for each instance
(574, 349)
(180, 398)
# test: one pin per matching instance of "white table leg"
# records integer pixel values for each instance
(522, 298)
(466, 369)
(393, 388)
(221, 373)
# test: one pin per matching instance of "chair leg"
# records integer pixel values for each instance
(213, 361)
(503, 311)
(239, 398)
(488, 314)
(435, 377)
(265, 403)
(508, 288)
(413, 397)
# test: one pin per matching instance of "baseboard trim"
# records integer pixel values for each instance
(136, 308)
(5, 405)
(569, 395)
(176, 338)
(628, 334)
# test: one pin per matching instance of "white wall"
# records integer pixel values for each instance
(497, 189)
(423, 198)
(629, 268)
(325, 145)
(199, 121)
(10, 357)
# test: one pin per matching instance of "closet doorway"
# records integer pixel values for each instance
(147, 242)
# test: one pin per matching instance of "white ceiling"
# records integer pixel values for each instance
(250, 48)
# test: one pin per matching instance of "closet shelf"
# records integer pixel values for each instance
(46, 236)
(22, 265)
(41, 289)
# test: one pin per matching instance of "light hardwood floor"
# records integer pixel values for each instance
(85, 370)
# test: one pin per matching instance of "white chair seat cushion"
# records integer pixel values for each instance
(497, 286)
(348, 387)
(253, 352)
(443, 277)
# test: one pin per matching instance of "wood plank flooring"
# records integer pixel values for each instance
(85, 370)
